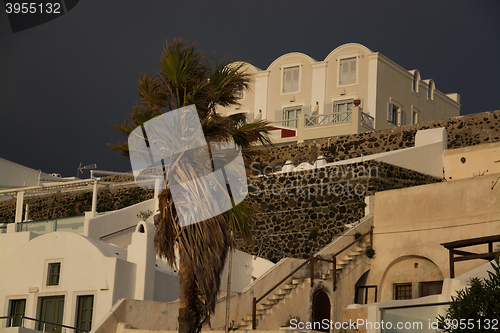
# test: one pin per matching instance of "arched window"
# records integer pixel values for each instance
(415, 81)
(430, 91)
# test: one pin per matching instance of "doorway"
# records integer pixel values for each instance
(321, 309)
(51, 310)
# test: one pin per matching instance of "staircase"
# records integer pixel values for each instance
(280, 297)
(278, 300)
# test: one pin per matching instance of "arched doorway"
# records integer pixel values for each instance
(321, 308)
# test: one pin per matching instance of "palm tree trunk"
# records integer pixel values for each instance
(189, 320)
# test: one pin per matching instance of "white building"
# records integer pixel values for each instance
(308, 99)
(71, 271)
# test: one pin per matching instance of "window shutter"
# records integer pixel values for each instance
(328, 108)
(344, 69)
(295, 78)
(347, 71)
(291, 79)
(389, 112)
(352, 71)
(278, 115)
(403, 118)
(306, 110)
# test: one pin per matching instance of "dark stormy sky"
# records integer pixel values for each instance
(65, 81)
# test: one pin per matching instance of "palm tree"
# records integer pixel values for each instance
(186, 78)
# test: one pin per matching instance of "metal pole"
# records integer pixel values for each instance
(371, 237)
(254, 313)
(228, 295)
(334, 273)
(311, 270)
(452, 264)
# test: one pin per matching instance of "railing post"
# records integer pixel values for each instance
(254, 313)
(334, 270)
(452, 264)
(371, 237)
(311, 270)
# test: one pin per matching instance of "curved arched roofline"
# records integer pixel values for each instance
(245, 64)
(79, 241)
(403, 258)
(364, 48)
(413, 71)
(289, 55)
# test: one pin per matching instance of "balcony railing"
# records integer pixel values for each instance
(367, 120)
(43, 326)
(328, 119)
(70, 224)
(292, 123)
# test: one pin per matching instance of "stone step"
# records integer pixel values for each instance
(284, 291)
(290, 286)
(297, 281)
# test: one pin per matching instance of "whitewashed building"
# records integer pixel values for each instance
(353, 90)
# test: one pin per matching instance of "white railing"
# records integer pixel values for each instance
(328, 119)
(291, 123)
(367, 120)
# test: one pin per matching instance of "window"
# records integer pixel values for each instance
(430, 91)
(17, 310)
(53, 274)
(430, 288)
(414, 116)
(85, 306)
(291, 79)
(395, 114)
(343, 110)
(402, 291)
(366, 294)
(415, 82)
(292, 115)
(347, 71)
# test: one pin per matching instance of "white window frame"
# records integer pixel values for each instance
(415, 83)
(345, 57)
(431, 87)
(45, 284)
(74, 304)
(290, 65)
(400, 115)
(414, 111)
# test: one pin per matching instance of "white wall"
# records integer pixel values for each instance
(244, 267)
(84, 270)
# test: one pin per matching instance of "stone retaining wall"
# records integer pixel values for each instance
(300, 213)
(462, 131)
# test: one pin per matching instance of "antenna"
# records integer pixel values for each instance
(87, 167)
